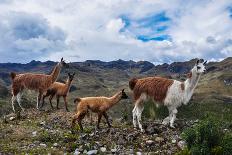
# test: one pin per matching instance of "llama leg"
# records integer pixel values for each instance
(172, 120)
(134, 117)
(57, 101)
(19, 95)
(12, 102)
(99, 120)
(167, 119)
(107, 119)
(79, 116)
(139, 114)
(50, 100)
(66, 104)
(38, 100)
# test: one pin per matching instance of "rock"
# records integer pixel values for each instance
(34, 133)
(103, 149)
(31, 145)
(77, 152)
(138, 153)
(121, 140)
(85, 151)
(92, 152)
(181, 144)
(173, 141)
(131, 151)
(55, 144)
(43, 145)
(149, 142)
(42, 123)
(114, 150)
(159, 139)
(12, 118)
(152, 130)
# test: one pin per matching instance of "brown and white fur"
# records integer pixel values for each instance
(37, 82)
(171, 93)
(97, 105)
(59, 89)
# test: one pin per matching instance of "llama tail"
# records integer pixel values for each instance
(12, 75)
(132, 83)
(77, 100)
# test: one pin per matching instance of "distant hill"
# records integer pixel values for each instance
(97, 78)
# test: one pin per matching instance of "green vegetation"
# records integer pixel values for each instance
(207, 138)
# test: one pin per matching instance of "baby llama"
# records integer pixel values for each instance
(171, 93)
(97, 105)
(59, 89)
(37, 82)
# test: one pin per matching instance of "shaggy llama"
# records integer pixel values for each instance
(59, 89)
(97, 105)
(171, 93)
(37, 82)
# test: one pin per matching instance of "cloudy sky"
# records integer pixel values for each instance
(153, 30)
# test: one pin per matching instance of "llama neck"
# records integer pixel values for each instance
(115, 99)
(68, 85)
(55, 72)
(191, 82)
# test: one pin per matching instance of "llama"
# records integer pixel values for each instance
(37, 82)
(97, 105)
(59, 89)
(171, 93)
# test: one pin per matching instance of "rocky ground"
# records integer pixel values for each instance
(40, 132)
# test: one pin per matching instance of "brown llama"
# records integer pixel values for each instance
(169, 92)
(59, 89)
(97, 105)
(36, 82)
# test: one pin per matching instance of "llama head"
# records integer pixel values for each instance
(123, 95)
(199, 66)
(71, 76)
(62, 63)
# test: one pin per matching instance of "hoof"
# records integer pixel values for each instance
(142, 130)
(172, 126)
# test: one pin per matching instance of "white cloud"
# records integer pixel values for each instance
(90, 29)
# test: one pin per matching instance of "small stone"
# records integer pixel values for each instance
(103, 149)
(43, 145)
(159, 139)
(55, 144)
(92, 152)
(149, 142)
(42, 123)
(181, 144)
(34, 133)
(131, 151)
(173, 141)
(77, 152)
(138, 153)
(114, 150)
(85, 151)
(12, 118)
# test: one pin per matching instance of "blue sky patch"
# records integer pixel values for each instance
(152, 27)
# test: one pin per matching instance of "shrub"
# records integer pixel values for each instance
(206, 138)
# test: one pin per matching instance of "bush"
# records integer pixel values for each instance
(227, 144)
(207, 137)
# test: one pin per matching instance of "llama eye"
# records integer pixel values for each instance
(198, 67)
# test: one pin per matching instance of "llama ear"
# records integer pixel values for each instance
(61, 59)
(123, 90)
(205, 62)
(197, 62)
(69, 74)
